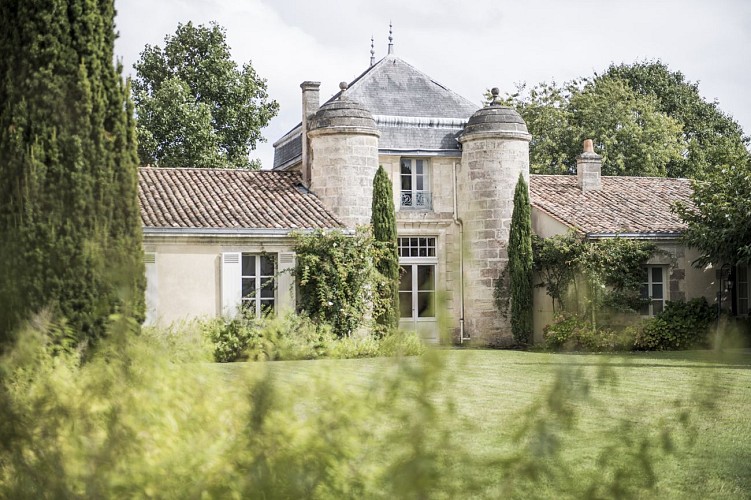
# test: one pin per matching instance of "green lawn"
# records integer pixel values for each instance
(629, 408)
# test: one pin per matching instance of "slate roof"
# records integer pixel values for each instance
(625, 205)
(198, 198)
(432, 116)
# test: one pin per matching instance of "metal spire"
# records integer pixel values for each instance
(391, 40)
(372, 51)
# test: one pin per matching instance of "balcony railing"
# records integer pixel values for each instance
(417, 200)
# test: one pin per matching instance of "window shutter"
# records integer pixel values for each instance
(152, 288)
(231, 283)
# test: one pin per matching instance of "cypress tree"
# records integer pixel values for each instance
(520, 265)
(383, 220)
(70, 234)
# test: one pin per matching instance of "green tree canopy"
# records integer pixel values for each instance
(712, 137)
(195, 107)
(718, 222)
(69, 219)
(644, 119)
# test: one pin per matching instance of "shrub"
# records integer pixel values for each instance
(229, 338)
(287, 337)
(292, 337)
(401, 343)
(571, 332)
(682, 325)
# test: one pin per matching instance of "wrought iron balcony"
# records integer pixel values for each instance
(417, 200)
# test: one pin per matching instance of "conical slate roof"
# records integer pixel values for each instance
(412, 111)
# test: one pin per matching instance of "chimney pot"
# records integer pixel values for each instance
(588, 147)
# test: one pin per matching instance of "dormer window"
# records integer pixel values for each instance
(415, 176)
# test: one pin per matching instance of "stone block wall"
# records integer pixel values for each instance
(342, 170)
(487, 179)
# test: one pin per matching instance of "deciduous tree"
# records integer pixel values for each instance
(195, 107)
(647, 120)
(718, 222)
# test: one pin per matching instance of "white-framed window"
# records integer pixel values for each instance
(415, 190)
(742, 290)
(653, 289)
(248, 283)
(417, 284)
(258, 271)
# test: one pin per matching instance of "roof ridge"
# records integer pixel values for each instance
(214, 169)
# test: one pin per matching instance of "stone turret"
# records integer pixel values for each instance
(343, 142)
(495, 149)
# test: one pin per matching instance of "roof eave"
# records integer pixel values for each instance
(636, 236)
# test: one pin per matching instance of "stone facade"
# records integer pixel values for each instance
(342, 171)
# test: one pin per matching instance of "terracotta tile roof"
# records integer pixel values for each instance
(636, 205)
(228, 199)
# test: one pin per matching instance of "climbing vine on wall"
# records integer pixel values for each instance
(337, 278)
(587, 276)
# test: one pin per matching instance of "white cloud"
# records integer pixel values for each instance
(468, 46)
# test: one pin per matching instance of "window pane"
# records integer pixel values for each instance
(405, 304)
(249, 287)
(425, 302)
(644, 311)
(267, 307)
(426, 277)
(406, 167)
(743, 307)
(249, 307)
(405, 281)
(656, 275)
(249, 265)
(267, 265)
(657, 291)
(645, 274)
(419, 167)
(656, 306)
(267, 288)
(742, 274)
(419, 183)
(644, 291)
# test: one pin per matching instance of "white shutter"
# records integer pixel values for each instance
(152, 288)
(231, 283)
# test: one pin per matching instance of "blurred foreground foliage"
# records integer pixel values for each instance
(147, 416)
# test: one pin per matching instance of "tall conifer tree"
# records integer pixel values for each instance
(383, 220)
(70, 235)
(520, 265)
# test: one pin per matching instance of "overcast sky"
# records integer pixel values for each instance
(466, 45)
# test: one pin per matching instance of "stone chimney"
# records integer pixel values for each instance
(310, 104)
(589, 168)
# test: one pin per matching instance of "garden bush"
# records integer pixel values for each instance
(572, 332)
(293, 337)
(682, 325)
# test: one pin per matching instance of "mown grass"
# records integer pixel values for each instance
(621, 398)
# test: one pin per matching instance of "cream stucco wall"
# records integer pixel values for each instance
(188, 274)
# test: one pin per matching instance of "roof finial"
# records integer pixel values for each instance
(391, 40)
(372, 51)
(494, 92)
